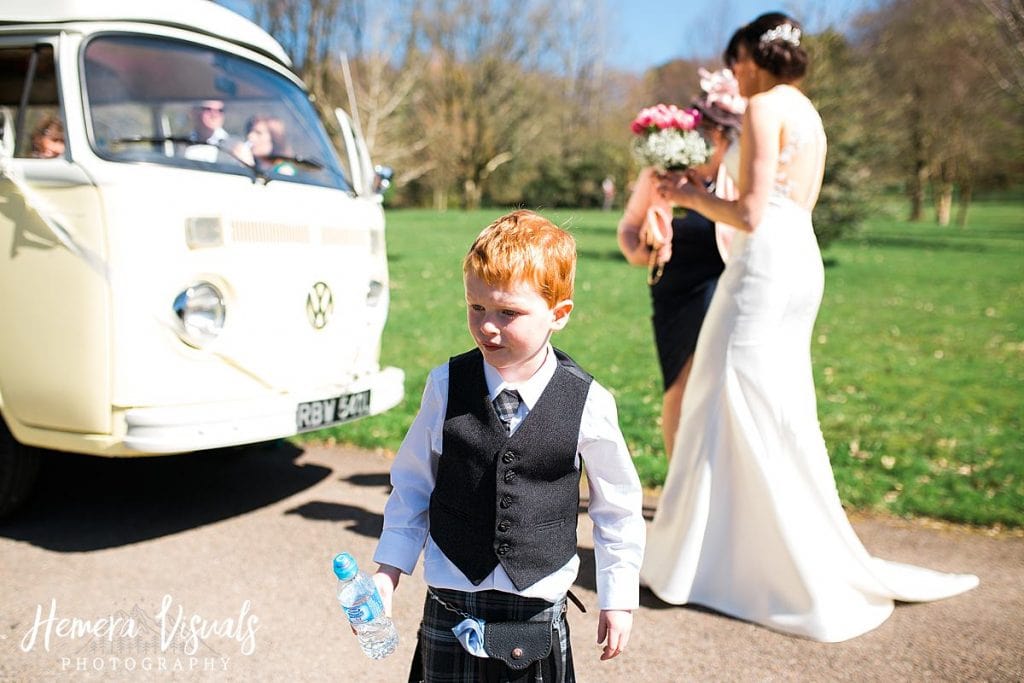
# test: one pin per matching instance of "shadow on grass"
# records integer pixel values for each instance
(84, 503)
(939, 244)
(576, 227)
(600, 255)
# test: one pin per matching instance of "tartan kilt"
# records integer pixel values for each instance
(440, 658)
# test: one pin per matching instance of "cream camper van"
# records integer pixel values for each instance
(187, 262)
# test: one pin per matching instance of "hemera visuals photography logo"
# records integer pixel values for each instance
(169, 640)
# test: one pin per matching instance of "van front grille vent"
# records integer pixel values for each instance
(260, 232)
(268, 232)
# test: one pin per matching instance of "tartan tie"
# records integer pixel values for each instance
(507, 405)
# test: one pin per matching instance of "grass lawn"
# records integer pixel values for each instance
(918, 352)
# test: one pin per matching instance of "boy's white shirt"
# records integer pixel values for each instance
(616, 498)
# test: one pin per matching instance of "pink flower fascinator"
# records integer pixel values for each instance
(723, 91)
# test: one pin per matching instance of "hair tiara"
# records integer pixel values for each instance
(787, 33)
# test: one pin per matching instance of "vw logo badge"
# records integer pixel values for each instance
(319, 305)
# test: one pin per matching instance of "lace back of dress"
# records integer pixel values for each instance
(801, 156)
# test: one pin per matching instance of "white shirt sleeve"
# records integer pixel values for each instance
(406, 514)
(616, 503)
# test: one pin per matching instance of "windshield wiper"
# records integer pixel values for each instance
(305, 162)
(187, 140)
(308, 162)
(184, 139)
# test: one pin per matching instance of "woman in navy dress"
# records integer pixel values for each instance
(686, 268)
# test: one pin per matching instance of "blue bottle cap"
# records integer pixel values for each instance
(345, 566)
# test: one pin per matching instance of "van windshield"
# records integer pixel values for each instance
(164, 101)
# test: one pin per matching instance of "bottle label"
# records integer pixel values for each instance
(367, 611)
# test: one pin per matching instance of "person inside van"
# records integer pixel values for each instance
(208, 122)
(266, 138)
(210, 137)
(48, 138)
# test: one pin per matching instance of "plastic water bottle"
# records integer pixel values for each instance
(365, 611)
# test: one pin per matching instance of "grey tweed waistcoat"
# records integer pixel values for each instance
(505, 499)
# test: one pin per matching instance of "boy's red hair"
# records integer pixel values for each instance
(525, 247)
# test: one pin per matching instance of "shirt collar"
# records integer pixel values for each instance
(531, 389)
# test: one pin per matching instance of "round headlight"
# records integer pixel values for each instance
(200, 313)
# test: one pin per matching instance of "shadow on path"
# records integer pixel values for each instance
(652, 601)
(361, 521)
(381, 479)
(586, 578)
(83, 503)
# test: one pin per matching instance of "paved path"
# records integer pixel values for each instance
(215, 534)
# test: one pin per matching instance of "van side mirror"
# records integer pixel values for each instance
(382, 178)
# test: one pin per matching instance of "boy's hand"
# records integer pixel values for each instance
(386, 579)
(613, 629)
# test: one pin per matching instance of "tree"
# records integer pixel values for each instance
(1002, 55)
(586, 140)
(836, 85)
(505, 102)
(481, 101)
(310, 31)
(943, 116)
(386, 79)
(675, 82)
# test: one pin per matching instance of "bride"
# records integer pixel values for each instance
(750, 523)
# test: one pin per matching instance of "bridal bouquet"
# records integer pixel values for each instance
(667, 138)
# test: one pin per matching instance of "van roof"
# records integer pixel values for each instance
(202, 16)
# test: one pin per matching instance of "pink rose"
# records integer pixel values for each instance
(662, 116)
(686, 119)
(639, 124)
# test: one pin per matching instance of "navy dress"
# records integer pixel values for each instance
(682, 295)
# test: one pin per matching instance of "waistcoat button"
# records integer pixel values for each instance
(506, 501)
(510, 476)
(508, 458)
(504, 526)
(504, 548)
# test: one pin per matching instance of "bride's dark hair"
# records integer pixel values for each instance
(773, 40)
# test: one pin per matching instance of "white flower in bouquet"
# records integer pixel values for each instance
(667, 138)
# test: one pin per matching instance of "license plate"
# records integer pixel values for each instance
(331, 411)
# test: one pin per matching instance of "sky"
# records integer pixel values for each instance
(641, 34)
(651, 33)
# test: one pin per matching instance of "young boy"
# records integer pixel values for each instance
(486, 482)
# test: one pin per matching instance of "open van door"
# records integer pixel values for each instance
(359, 162)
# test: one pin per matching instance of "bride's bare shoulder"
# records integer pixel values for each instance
(780, 99)
(788, 101)
(783, 95)
(765, 103)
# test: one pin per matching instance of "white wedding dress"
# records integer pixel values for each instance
(750, 523)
